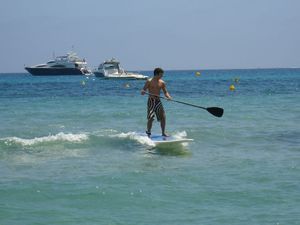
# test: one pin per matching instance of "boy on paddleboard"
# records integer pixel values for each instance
(154, 105)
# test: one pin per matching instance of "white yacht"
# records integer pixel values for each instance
(111, 69)
(69, 64)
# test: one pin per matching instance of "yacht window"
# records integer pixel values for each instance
(110, 66)
(58, 66)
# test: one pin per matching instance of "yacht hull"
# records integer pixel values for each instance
(98, 74)
(125, 78)
(53, 71)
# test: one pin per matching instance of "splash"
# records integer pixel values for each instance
(136, 136)
(180, 135)
(50, 138)
(143, 138)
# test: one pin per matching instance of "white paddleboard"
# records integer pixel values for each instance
(159, 140)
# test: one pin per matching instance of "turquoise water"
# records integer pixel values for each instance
(70, 152)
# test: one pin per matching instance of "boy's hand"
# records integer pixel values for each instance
(143, 92)
(168, 96)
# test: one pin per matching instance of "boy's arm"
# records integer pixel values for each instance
(164, 88)
(143, 91)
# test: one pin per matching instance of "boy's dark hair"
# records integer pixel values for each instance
(157, 71)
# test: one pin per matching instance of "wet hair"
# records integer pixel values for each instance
(157, 71)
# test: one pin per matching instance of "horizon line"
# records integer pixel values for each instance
(146, 70)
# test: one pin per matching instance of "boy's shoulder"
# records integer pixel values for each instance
(161, 81)
(149, 79)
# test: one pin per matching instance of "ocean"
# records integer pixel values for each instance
(71, 153)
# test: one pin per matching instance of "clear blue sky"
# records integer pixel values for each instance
(173, 34)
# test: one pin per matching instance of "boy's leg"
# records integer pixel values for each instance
(163, 125)
(149, 126)
(150, 115)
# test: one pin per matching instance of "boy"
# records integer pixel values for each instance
(155, 107)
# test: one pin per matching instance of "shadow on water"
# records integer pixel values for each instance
(171, 150)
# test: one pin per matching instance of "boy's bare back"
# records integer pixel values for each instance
(155, 85)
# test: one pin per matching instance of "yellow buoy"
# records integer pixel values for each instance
(232, 87)
(127, 85)
(198, 73)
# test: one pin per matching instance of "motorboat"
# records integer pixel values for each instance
(69, 64)
(111, 69)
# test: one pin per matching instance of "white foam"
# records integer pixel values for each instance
(139, 137)
(51, 138)
(143, 138)
(180, 135)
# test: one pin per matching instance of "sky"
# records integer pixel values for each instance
(144, 34)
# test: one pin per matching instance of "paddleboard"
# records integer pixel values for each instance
(159, 140)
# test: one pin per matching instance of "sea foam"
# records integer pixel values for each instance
(180, 134)
(143, 138)
(50, 138)
(136, 136)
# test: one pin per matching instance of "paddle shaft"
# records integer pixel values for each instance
(216, 111)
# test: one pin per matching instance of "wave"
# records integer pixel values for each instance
(94, 138)
(136, 136)
(180, 134)
(143, 139)
(69, 137)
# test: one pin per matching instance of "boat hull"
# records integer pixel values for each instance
(98, 74)
(124, 76)
(53, 71)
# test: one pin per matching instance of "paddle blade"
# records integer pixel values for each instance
(216, 111)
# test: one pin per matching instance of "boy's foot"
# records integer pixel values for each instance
(165, 135)
(148, 134)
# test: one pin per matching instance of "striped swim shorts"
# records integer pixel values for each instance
(155, 108)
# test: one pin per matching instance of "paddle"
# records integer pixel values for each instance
(216, 111)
